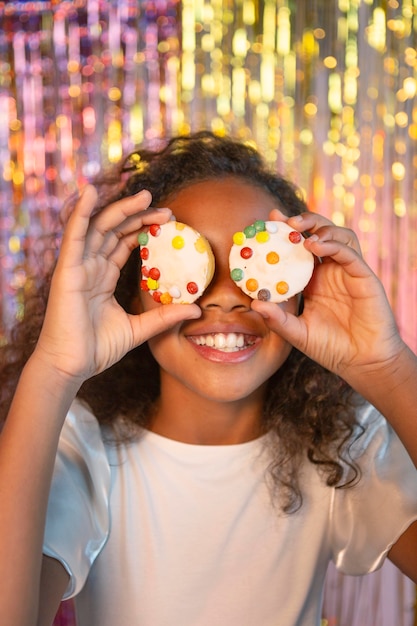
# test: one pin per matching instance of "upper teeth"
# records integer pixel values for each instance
(222, 341)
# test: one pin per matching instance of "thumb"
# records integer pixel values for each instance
(285, 324)
(160, 319)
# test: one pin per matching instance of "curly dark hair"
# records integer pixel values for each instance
(309, 411)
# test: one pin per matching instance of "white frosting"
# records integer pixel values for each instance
(290, 267)
(178, 266)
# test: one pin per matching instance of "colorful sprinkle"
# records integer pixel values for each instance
(271, 227)
(144, 254)
(236, 274)
(178, 242)
(143, 238)
(144, 285)
(264, 294)
(239, 238)
(262, 236)
(145, 271)
(246, 253)
(294, 236)
(154, 273)
(156, 296)
(155, 230)
(282, 287)
(250, 231)
(252, 284)
(175, 292)
(192, 288)
(272, 258)
(201, 245)
(259, 225)
(165, 298)
(152, 284)
(179, 225)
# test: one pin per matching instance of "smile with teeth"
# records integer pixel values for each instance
(226, 342)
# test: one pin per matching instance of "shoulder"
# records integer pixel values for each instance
(373, 436)
(80, 420)
(368, 517)
(77, 522)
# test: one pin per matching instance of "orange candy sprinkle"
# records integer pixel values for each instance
(282, 287)
(252, 284)
(165, 298)
(272, 258)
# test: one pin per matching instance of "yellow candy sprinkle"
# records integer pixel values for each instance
(200, 245)
(152, 284)
(272, 258)
(251, 284)
(178, 242)
(262, 237)
(282, 287)
(239, 238)
(166, 298)
(179, 226)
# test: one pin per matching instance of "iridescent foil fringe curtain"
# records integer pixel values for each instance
(325, 88)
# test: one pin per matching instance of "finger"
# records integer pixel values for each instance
(113, 217)
(122, 250)
(325, 229)
(130, 228)
(278, 216)
(285, 324)
(160, 319)
(73, 240)
(344, 255)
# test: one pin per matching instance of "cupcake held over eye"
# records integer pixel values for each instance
(268, 261)
(177, 263)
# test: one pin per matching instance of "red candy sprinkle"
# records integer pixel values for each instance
(144, 253)
(192, 288)
(155, 230)
(156, 296)
(144, 285)
(246, 253)
(294, 237)
(145, 271)
(154, 273)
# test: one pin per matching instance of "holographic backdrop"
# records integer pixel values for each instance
(325, 88)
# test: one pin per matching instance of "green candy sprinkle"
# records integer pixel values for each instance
(250, 231)
(236, 274)
(143, 239)
(259, 225)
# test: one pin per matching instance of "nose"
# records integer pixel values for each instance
(223, 293)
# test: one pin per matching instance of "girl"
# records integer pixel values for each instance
(196, 484)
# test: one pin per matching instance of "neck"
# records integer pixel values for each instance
(184, 416)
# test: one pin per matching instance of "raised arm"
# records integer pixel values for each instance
(84, 332)
(348, 327)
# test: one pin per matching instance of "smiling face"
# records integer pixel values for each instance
(218, 365)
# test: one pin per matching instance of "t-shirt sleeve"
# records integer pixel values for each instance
(77, 523)
(367, 519)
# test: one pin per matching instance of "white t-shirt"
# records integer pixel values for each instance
(162, 533)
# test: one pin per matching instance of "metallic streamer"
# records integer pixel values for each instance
(327, 90)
